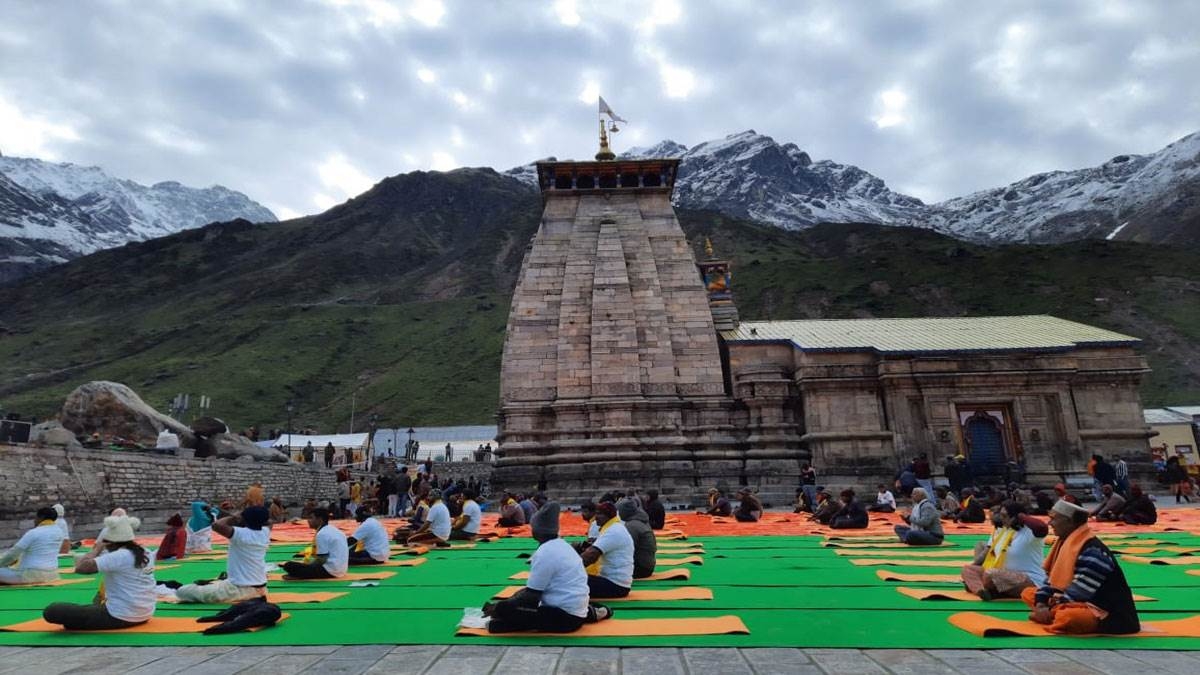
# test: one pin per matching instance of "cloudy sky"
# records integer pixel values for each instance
(303, 103)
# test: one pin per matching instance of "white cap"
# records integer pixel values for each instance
(1066, 508)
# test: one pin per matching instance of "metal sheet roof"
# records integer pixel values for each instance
(1165, 416)
(1190, 410)
(930, 335)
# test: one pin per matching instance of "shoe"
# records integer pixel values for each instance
(985, 595)
(597, 613)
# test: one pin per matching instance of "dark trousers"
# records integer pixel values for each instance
(462, 535)
(744, 517)
(363, 558)
(600, 588)
(299, 570)
(917, 537)
(509, 522)
(642, 572)
(509, 617)
(83, 617)
(881, 508)
(328, 461)
(848, 523)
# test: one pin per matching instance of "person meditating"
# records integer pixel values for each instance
(924, 523)
(1085, 590)
(369, 545)
(645, 545)
(174, 542)
(466, 525)
(437, 526)
(127, 596)
(555, 598)
(37, 552)
(329, 556)
(851, 515)
(1011, 559)
(750, 509)
(972, 508)
(246, 564)
(825, 508)
(609, 559)
(656, 513)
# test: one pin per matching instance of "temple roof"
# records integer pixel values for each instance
(931, 335)
(1165, 416)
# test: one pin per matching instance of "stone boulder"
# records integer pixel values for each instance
(55, 435)
(113, 409)
(233, 446)
(209, 426)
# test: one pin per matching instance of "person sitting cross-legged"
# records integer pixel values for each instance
(885, 501)
(750, 509)
(1085, 590)
(972, 508)
(924, 523)
(1140, 509)
(718, 504)
(329, 556)
(1111, 507)
(851, 515)
(1011, 559)
(555, 598)
(37, 550)
(128, 595)
(466, 526)
(369, 545)
(825, 508)
(174, 542)
(645, 545)
(511, 513)
(246, 565)
(437, 526)
(609, 559)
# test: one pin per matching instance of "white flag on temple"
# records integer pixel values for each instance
(605, 110)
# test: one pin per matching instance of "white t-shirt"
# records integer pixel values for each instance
(474, 516)
(129, 590)
(247, 563)
(1025, 555)
(332, 544)
(617, 563)
(63, 525)
(439, 520)
(593, 530)
(39, 548)
(886, 498)
(557, 571)
(374, 539)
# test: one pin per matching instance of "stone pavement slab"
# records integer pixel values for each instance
(491, 660)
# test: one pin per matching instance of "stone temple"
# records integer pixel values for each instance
(625, 364)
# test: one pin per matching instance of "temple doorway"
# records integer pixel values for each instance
(988, 437)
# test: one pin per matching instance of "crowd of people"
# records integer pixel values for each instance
(1078, 587)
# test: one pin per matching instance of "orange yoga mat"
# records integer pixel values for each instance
(349, 576)
(680, 551)
(868, 562)
(681, 593)
(967, 596)
(159, 624)
(1183, 551)
(716, 625)
(414, 550)
(915, 553)
(918, 578)
(1160, 561)
(982, 625)
(666, 575)
(689, 560)
(56, 582)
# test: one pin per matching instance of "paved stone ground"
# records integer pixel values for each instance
(482, 660)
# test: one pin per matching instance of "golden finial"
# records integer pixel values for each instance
(606, 154)
(708, 249)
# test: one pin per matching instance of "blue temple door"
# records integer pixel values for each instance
(985, 441)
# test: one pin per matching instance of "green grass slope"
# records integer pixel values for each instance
(399, 298)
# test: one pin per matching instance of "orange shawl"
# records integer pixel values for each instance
(1060, 564)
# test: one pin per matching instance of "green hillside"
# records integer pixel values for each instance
(399, 299)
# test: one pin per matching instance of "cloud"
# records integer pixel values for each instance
(299, 106)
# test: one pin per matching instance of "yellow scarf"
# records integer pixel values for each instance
(310, 552)
(594, 568)
(44, 522)
(998, 551)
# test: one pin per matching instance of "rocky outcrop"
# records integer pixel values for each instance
(209, 426)
(115, 411)
(55, 435)
(233, 446)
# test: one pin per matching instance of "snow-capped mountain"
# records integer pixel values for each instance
(53, 212)
(1142, 197)
(1146, 198)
